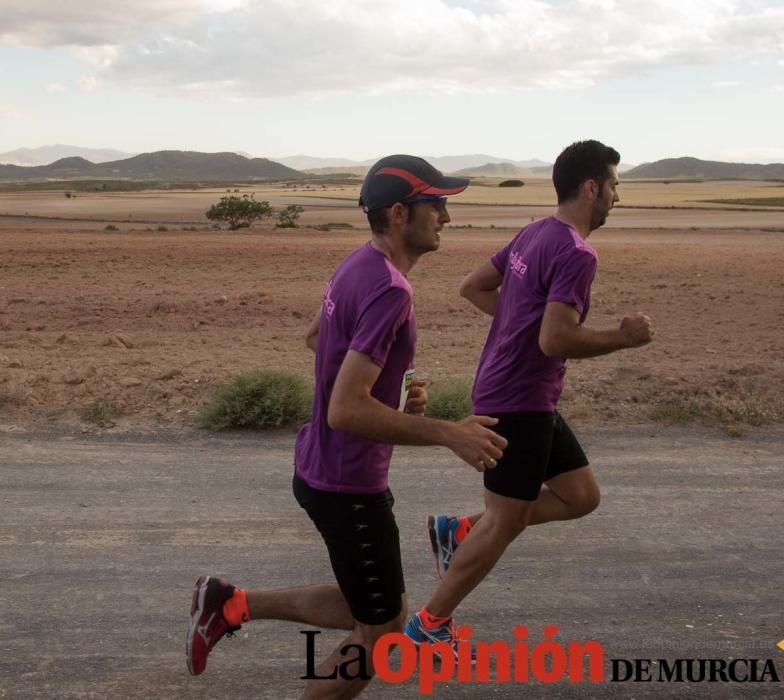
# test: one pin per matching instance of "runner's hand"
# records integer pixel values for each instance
(417, 398)
(637, 330)
(476, 444)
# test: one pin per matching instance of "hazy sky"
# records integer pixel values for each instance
(360, 78)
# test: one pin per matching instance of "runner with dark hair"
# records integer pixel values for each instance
(538, 290)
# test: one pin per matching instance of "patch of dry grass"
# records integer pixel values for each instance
(11, 396)
(732, 414)
(581, 408)
(100, 413)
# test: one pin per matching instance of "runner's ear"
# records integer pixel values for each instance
(397, 213)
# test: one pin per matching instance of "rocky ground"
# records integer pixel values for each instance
(132, 330)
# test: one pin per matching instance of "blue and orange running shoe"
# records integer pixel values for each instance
(445, 633)
(442, 530)
(207, 625)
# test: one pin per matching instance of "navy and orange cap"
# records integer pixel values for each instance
(400, 177)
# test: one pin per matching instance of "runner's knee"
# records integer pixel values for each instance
(508, 525)
(578, 490)
(587, 500)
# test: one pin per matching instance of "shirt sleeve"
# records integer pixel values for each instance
(500, 259)
(572, 279)
(379, 322)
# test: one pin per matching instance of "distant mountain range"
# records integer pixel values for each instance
(74, 162)
(192, 165)
(673, 168)
(504, 170)
(44, 155)
(447, 164)
(303, 162)
(161, 165)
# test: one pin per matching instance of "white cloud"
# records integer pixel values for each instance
(55, 88)
(88, 83)
(97, 22)
(11, 112)
(726, 84)
(268, 48)
(99, 57)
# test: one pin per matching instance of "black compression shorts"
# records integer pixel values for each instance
(541, 446)
(364, 548)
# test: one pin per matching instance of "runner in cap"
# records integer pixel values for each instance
(366, 400)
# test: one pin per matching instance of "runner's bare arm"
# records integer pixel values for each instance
(311, 337)
(561, 334)
(352, 408)
(480, 287)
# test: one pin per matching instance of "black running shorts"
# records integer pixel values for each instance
(541, 446)
(364, 548)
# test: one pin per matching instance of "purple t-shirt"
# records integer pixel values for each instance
(546, 261)
(367, 307)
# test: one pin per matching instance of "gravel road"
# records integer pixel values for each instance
(101, 540)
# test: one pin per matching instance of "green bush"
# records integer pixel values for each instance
(450, 399)
(511, 183)
(110, 227)
(239, 212)
(259, 399)
(287, 218)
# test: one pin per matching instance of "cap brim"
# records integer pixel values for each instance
(392, 184)
(447, 186)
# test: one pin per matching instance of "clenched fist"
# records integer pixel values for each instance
(416, 402)
(476, 444)
(637, 330)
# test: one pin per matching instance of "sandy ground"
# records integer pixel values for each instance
(643, 205)
(102, 536)
(102, 540)
(150, 321)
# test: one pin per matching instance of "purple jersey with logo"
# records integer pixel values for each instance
(367, 307)
(546, 261)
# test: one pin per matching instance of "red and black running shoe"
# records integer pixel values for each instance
(207, 622)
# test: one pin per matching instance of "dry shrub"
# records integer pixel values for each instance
(100, 413)
(449, 399)
(260, 399)
(728, 412)
(11, 396)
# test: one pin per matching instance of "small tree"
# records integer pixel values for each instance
(239, 212)
(287, 218)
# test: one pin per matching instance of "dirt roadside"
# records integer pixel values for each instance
(147, 323)
(103, 534)
(102, 539)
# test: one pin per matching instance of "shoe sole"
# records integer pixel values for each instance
(435, 545)
(197, 606)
